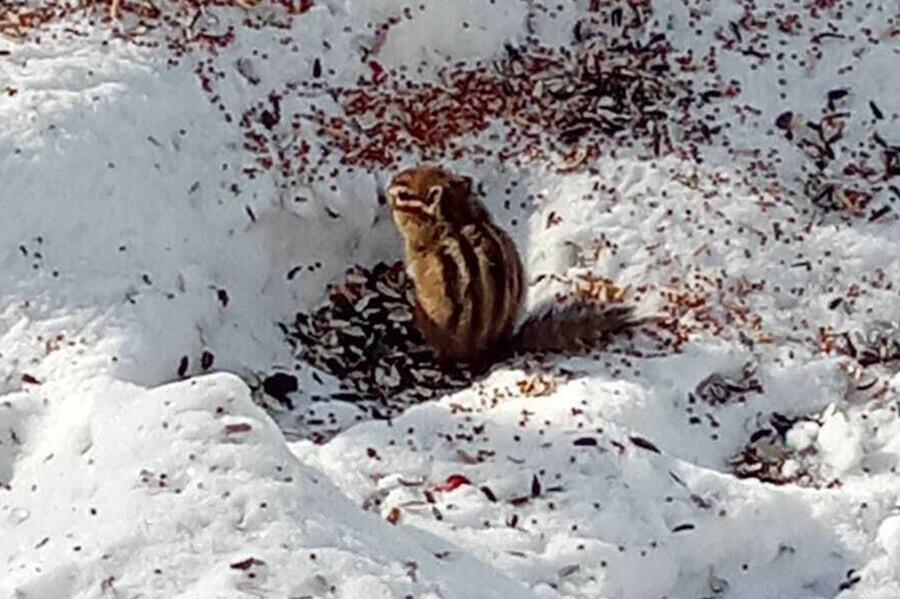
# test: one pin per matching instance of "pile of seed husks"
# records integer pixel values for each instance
(769, 455)
(871, 352)
(718, 388)
(599, 91)
(773, 453)
(568, 101)
(838, 178)
(181, 26)
(784, 448)
(784, 451)
(364, 336)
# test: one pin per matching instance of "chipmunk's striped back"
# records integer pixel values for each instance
(466, 270)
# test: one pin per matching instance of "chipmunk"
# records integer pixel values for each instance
(469, 280)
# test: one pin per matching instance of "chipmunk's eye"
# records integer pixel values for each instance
(399, 193)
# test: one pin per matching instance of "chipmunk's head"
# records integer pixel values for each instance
(416, 196)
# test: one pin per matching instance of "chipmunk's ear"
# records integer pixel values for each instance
(462, 185)
(435, 193)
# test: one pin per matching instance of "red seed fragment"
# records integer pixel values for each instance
(453, 481)
(239, 427)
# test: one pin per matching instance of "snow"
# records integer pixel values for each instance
(839, 444)
(180, 483)
(144, 270)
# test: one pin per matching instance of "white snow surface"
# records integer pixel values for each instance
(124, 247)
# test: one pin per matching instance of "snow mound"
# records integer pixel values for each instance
(189, 490)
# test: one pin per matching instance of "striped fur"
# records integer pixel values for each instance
(469, 279)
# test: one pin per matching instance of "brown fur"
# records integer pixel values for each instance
(469, 279)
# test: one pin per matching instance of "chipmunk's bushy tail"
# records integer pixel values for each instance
(572, 328)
